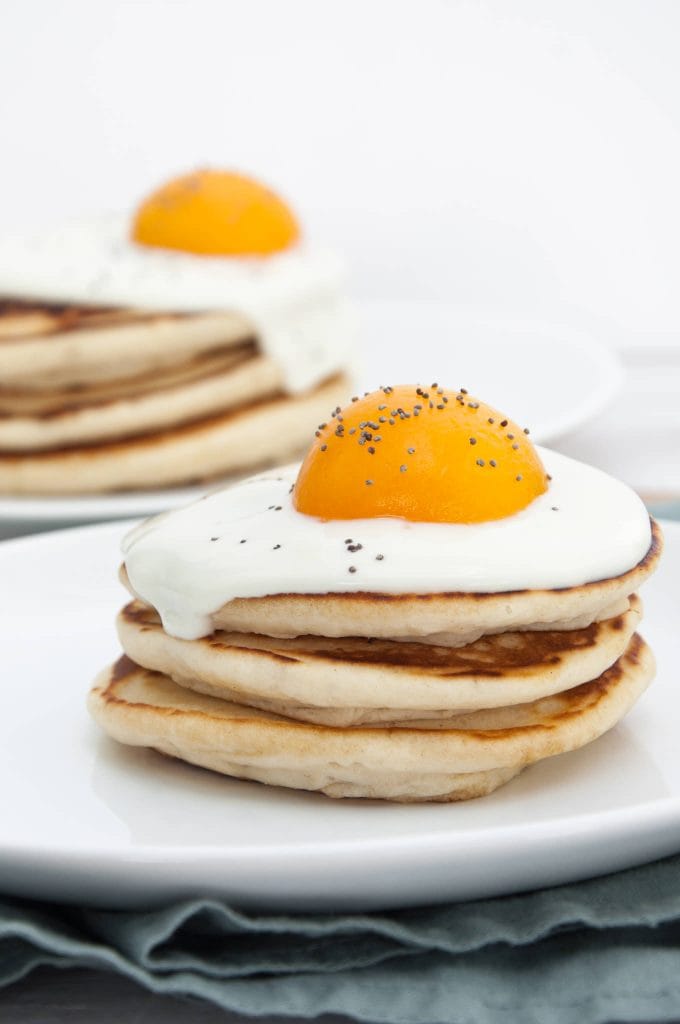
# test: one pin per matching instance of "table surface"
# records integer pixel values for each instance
(52, 996)
(637, 438)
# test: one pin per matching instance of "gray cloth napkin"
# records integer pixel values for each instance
(607, 949)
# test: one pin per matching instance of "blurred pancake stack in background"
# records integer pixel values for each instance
(203, 340)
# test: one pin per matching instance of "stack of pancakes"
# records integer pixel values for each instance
(104, 399)
(401, 697)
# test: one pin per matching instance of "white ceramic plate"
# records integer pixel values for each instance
(547, 377)
(85, 819)
(550, 378)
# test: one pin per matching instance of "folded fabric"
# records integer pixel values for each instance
(601, 950)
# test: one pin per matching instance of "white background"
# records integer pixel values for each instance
(518, 157)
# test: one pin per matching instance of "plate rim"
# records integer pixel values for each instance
(423, 842)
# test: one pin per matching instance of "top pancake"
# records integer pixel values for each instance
(20, 318)
(44, 346)
(449, 619)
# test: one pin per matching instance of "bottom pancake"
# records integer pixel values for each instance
(407, 763)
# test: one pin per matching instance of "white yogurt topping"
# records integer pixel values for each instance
(294, 299)
(249, 541)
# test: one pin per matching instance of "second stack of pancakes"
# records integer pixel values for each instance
(199, 338)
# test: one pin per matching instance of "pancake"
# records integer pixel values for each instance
(113, 346)
(262, 434)
(143, 708)
(21, 318)
(449, 620)
(53, 402)
(356, 680)
(239, 383)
